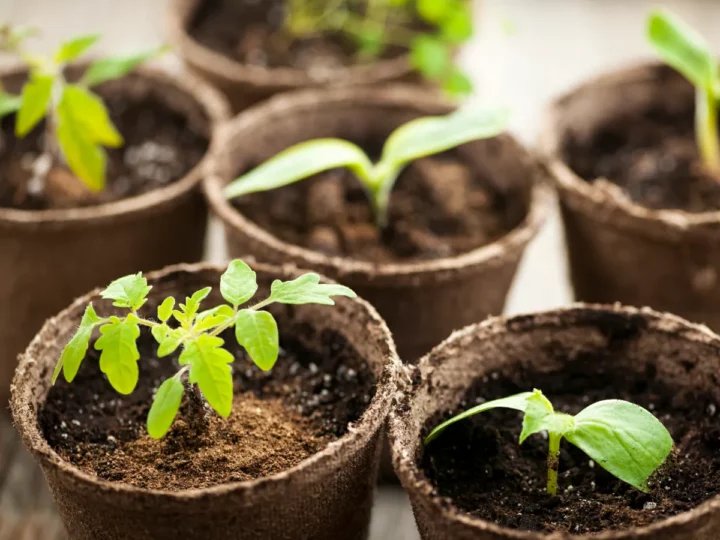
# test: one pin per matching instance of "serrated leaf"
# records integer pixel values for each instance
(165, 407)
(238, 284)
(212, 318)
(119, 352)
(9, 103)
(307, 289)
(71, 50)
(90, 113)
(191, 307)
(430, 56)
(171, 341)
(257, 332)
(128, 291)
(166, 308)
(111, 68)
(159, 332)
(35, 97)
(540, 416)
(209, 369)
(74, 352)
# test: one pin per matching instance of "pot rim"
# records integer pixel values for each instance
(511, 242)
(225, 68)
(213, 104)
(25, 418)
(612, 210)
(413, 479)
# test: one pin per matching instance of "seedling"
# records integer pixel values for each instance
(374, 25)
(416, 139)
(78, 126)
(686, 51)
(204, 361)
(624, 439)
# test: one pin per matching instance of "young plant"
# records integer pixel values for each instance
(686, 51)
(78, 126)
(374, 25)
(623, 438)
(416, 139)
(204, 361)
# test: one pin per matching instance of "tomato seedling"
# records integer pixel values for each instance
(623, 438)
(203, 359)
(416, 139)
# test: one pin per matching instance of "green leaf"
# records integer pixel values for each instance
(165, 407)
(116, 67)
(517, 402)
(307, 289)
(35, 101)
(457, 27)
(191, 307)
(540, 416)
(257, 332)
(119, 356)
(9, 103)
(166, 308)
(430, 56)
(238, 284)
(432, 11)
(209, 369)
(85, 158)
(458, 84)
(159, 332)
(623, 438)
(371, 42)
(89, 111)
(682, 48)
(70, 50)
(302, 161)
(212, 318)
(170, 342)
(74, 352)
(128, 291)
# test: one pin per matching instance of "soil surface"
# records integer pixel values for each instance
(479, 465)
(251, 32)
(653, 158)
(439, 207)
(159, 149)
(318, 386)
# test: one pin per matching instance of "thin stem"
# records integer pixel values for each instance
(262, 304)
(145, 322)
(706, 128)
(553, 462)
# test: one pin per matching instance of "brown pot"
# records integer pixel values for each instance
(326, 496)
(245, 85)
(602, 338)
(50, 257)
(422, 302)
(619, 250)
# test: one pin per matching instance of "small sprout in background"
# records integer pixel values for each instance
(623, 438)
(78, 126)
(205, 362)
(375, 25)
(417, 139)
(686, 51)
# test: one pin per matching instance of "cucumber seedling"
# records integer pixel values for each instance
(205, 364)
(416, 139)
(78, 127)
(623, 438)
(685, 50)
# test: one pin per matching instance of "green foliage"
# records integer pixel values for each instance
(77, 117)
(416, 139)
(687, 51)
(623, 438)
(196, 333)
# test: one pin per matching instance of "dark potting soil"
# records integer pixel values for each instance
(251, 32)
(160, 148)
(318, 386)
(653, 158)
(439, 207)
(479, 465)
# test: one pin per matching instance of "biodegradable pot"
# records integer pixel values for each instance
(245, 85)
(326, 496)
(620, 250)
(605, 338)
(422, 302)
(51, 256)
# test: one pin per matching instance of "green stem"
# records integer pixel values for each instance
(553, 462)
(706, 128)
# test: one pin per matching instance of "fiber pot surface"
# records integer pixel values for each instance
(613, 349)
(619, 250)
(422, 301)
(245, 84)
(328, 495)
(51, 256)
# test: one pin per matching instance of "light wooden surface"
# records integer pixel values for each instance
(553, 45)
